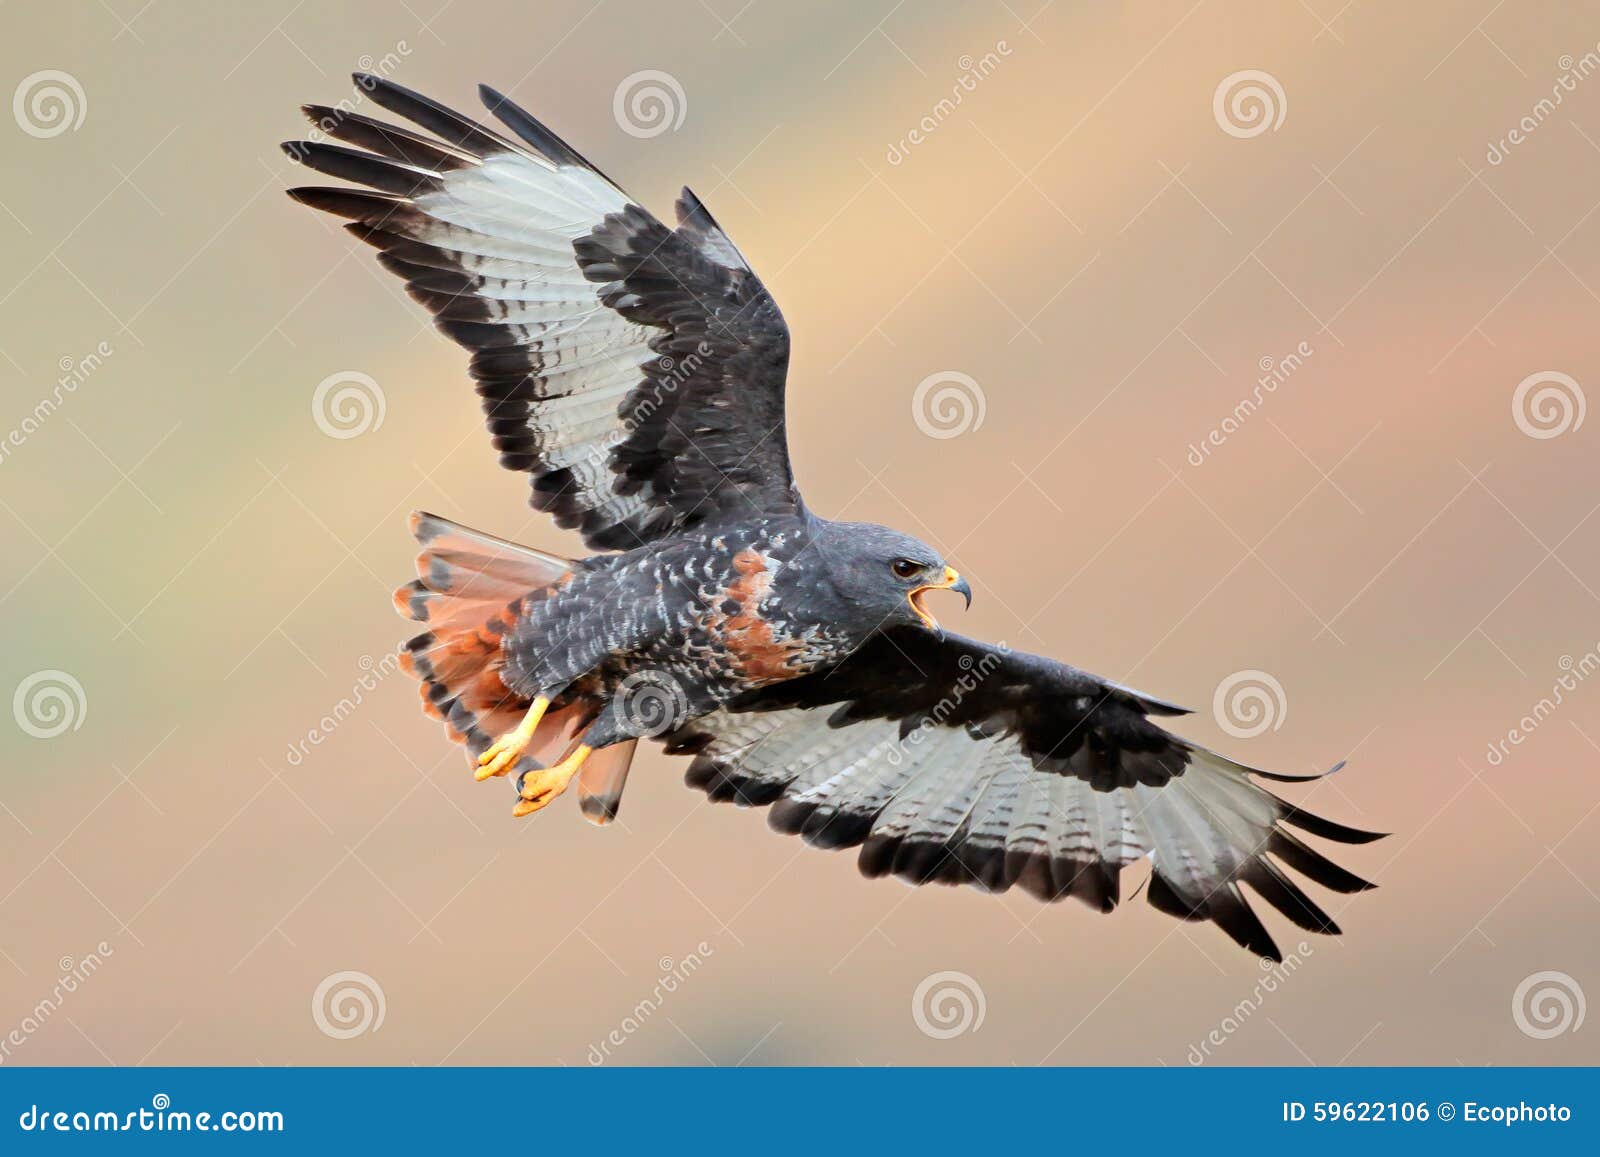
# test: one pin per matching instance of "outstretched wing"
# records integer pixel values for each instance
(952, 761)
(635, 371)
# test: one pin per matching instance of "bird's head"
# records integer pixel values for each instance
(884, 578)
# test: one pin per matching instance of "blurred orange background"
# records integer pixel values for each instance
(1113, 252)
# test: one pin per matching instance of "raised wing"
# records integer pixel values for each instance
(952, 761)
(635, 372)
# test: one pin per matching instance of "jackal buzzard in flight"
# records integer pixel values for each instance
(635, 372)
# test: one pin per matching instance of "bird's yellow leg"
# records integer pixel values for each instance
(540, 787)
(504, 752)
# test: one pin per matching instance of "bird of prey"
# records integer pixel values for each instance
(635, 372)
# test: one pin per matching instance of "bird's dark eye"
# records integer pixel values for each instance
(904, 568)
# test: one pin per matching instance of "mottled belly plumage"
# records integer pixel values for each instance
(699, 621)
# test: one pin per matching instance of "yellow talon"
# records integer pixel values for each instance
(503, 753)
(540, 787)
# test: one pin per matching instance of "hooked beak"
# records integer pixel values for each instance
(952, 581)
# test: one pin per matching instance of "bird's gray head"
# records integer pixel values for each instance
(882, 578)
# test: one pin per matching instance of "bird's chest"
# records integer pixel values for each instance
(732, 623)
(735, 616)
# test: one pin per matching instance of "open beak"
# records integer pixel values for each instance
(952, 581)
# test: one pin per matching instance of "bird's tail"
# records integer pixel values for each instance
(470, 590)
